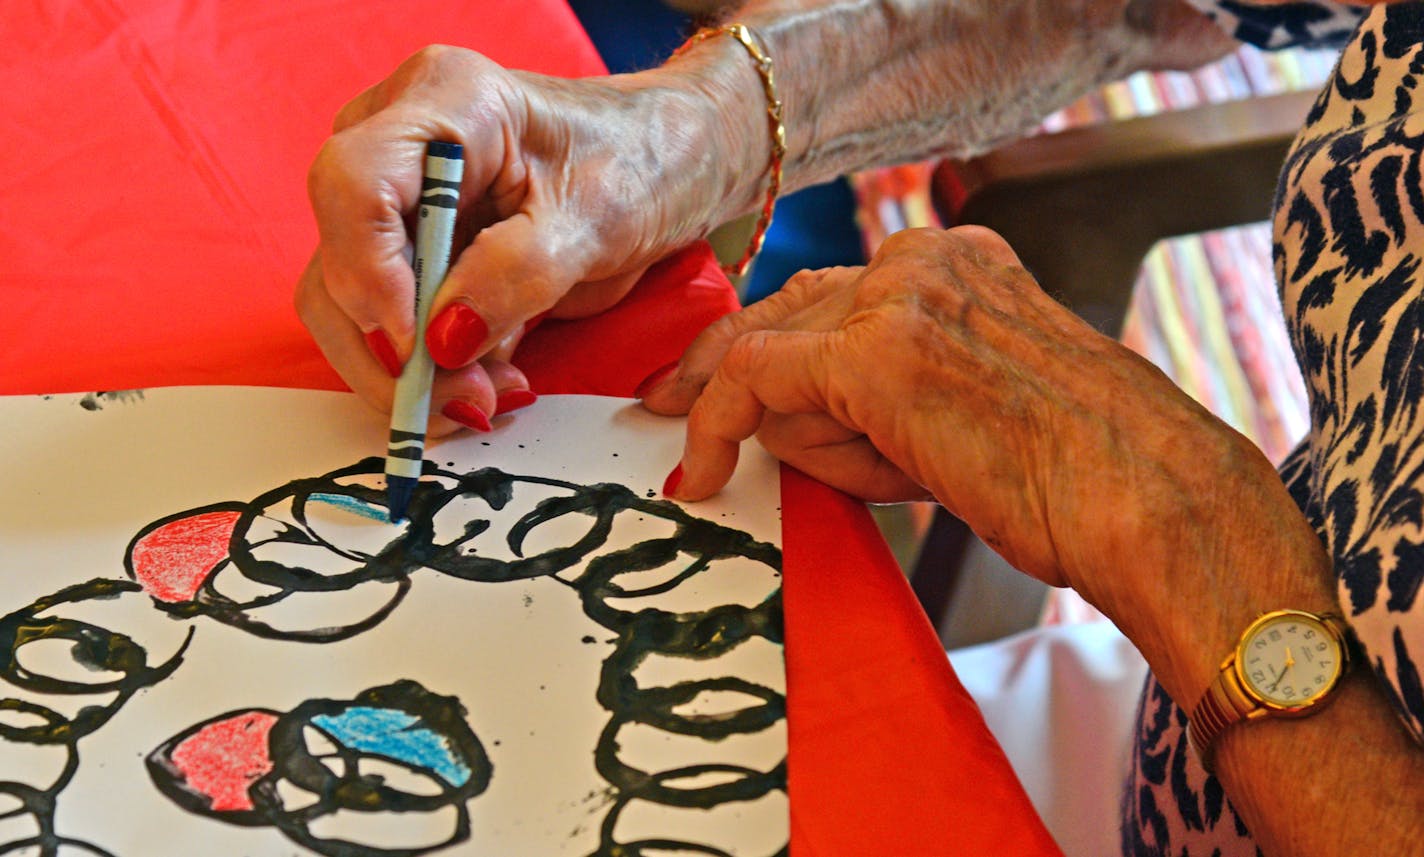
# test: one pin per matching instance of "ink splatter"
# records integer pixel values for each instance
(96, 401)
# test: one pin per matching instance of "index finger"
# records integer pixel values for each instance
(360, 188)
(800, 304)
(780, 371)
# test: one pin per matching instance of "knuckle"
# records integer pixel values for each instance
(987, 247)
(976, 234)
(703, 418)
(727, 328)
(421, 61)
(894, 243)
(910, 240)
(303, 302)
(367, 296)
(437, 64)
(309, 292)
(330, 169)
(350, 113)
(801, 282)
(428, 54)
(804, 287)
(433, 55)
(747, 354)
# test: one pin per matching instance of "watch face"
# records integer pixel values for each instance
(1290, 659)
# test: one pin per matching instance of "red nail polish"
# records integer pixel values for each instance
(513, 400)
(466, 414)
(455, 336)
(650, 383)
(381, 348)
(674, 479)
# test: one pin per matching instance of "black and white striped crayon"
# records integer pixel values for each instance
(434, 238)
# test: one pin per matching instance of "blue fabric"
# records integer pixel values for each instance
(631, 34)
(812, 228)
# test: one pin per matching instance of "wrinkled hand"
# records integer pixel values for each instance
(942, 368)
(558, 214)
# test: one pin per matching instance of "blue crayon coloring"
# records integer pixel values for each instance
(396, 735)
(434, 239)
(353, 505)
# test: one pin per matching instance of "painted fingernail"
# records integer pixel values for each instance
(381, 348)
(673, 480)
(513, 400)
(653, 381)
(455, 336)
(466, 415)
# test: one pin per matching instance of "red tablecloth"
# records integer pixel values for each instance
(153, 221)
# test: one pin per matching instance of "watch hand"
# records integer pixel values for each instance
(1284, 669)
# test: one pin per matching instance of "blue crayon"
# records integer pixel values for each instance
(434, 237)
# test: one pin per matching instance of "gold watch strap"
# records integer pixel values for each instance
(1216, 711)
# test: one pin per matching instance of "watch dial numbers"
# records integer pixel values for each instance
(1289, 661)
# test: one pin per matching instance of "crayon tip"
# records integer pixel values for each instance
(399, 490)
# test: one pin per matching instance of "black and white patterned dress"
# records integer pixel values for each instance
(1349, 244)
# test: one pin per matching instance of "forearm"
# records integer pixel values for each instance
(1343, 781)
(874, 81)
(869, 82)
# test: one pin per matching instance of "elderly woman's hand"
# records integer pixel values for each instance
(942, 368)
(571, 189)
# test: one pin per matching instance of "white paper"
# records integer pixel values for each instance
(520, 663)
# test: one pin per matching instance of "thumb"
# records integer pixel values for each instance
(510, 273)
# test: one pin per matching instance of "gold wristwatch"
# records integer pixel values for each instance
(1286, 664)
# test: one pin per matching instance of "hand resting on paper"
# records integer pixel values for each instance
(942, 369)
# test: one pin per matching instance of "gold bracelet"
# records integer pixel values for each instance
(745, 36)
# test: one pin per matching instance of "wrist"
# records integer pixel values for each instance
(1222, 545)
(716, 80)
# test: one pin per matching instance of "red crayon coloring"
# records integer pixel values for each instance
(172, 560)
(224, 758)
